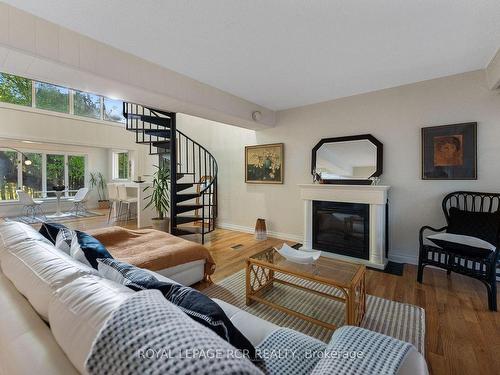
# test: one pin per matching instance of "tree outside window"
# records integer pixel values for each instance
(8, 175)
(55, 172)
(76, 172)
(15, 90)
(87, 105)
(32, 175)
(113, 110)
(120, 166)
(51, 97)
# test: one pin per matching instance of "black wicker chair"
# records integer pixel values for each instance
(483, 268)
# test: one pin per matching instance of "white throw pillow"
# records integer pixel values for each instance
(460, 240)
(38, 269)
(78, 311)
(76, 251)
(64, 239)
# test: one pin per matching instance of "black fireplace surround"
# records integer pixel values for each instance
(341, 228)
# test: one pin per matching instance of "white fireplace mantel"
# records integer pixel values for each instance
(374, 195)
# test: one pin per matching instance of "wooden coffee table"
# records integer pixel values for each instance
(347, 282)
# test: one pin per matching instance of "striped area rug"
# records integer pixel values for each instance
(400, 320)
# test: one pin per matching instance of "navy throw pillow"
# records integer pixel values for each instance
(91, 248)
(483, 225)
(50, 231)
(196, 305)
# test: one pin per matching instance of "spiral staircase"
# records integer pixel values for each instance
(193, 169)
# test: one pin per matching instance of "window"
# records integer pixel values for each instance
(15, 90)
(32, 175)
(51, 97)
(44, 172)
(113, 110)
(8, 175)
(55, 172)
(120, 166)
(18, 90)
(76, 172)
(87, 105)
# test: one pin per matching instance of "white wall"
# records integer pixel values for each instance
(394, 116)
(59, 132)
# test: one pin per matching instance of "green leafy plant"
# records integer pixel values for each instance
(160, 194)
(97, 181)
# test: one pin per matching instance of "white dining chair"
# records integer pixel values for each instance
(125, 200)
(79, 200)
(114, 201)
(30, 206)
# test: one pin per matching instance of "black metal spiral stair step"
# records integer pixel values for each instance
(162, 121)
(188, 207)
(186, 197)
(157, 132)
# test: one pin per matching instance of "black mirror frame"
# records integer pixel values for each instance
(368, 137)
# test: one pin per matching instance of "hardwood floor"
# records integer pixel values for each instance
(462, 335)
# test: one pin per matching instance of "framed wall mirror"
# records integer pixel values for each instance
(347, 160)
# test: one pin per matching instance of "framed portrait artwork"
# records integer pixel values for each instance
(264, 164)
(449, 152)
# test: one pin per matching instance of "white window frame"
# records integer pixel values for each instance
(114, 165)
(44, 154)
(71, 111)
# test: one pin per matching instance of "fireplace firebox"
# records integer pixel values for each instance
(341, 228)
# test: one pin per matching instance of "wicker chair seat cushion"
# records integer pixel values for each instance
(462, 245)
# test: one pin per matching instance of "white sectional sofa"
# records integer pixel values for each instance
(53, 307)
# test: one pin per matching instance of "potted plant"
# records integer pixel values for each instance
(160, 198)
(97, 181)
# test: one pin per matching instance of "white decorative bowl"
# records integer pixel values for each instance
(298, 256)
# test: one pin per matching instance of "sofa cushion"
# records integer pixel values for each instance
(153, 336)
(12, 233)
(26, 343)
(196, 305)
(38, 269)
(78, 311)
(87, 249)
(50, 231)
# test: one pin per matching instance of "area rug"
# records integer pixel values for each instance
(400, 320)
(41, 219)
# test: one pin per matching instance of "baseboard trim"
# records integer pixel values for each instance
(270, 233)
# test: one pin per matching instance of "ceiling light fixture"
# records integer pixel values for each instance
(256, 115)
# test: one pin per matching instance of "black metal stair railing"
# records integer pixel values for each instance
(193, 169)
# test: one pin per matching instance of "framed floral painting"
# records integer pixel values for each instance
(264, 164)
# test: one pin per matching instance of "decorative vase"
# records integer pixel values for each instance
(260, 229)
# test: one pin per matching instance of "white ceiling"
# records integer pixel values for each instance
(288, 53)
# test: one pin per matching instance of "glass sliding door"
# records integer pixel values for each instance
(32, 175)
(55, 172)
(76, 172)
(8, 175)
